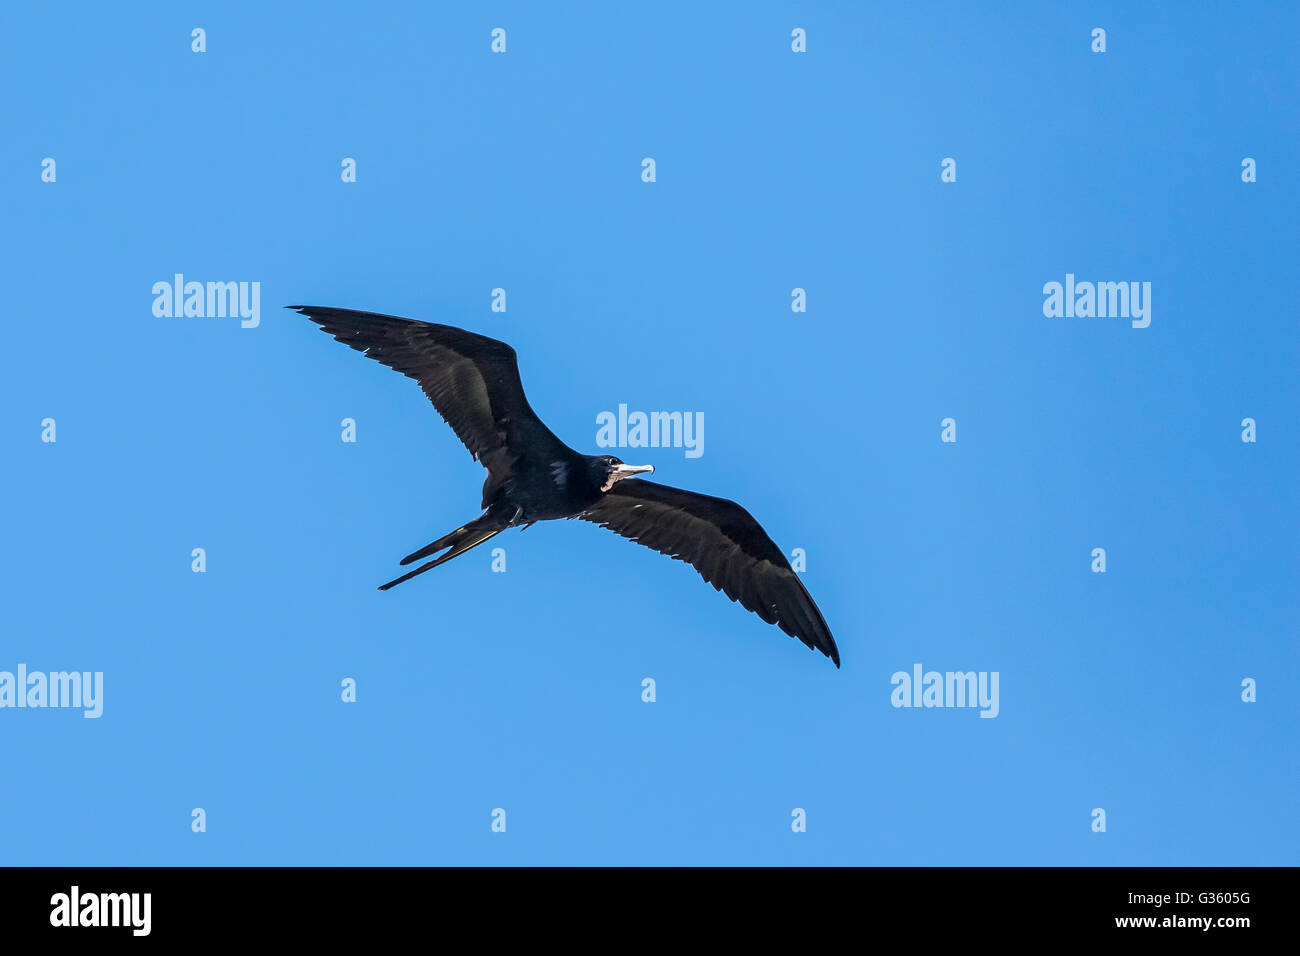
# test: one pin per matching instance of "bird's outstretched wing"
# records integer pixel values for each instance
(723, 542)
(472, 380)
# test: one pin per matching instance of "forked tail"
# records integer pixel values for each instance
(457, 542)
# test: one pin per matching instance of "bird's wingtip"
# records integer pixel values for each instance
(832, 652)
(316, 313)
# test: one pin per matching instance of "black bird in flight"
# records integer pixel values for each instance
(473, 382)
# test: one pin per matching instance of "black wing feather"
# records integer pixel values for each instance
(724, 543)
(472, 381)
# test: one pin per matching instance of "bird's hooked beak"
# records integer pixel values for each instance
(619, 472)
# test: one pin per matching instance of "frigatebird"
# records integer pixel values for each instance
(473, 383)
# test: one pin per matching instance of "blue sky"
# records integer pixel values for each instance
(775, 170)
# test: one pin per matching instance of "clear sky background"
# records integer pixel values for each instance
(775, 170)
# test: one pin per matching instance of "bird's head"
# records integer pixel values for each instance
(606, 470)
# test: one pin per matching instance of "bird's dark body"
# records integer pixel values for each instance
(552, 487)
(473, 382)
